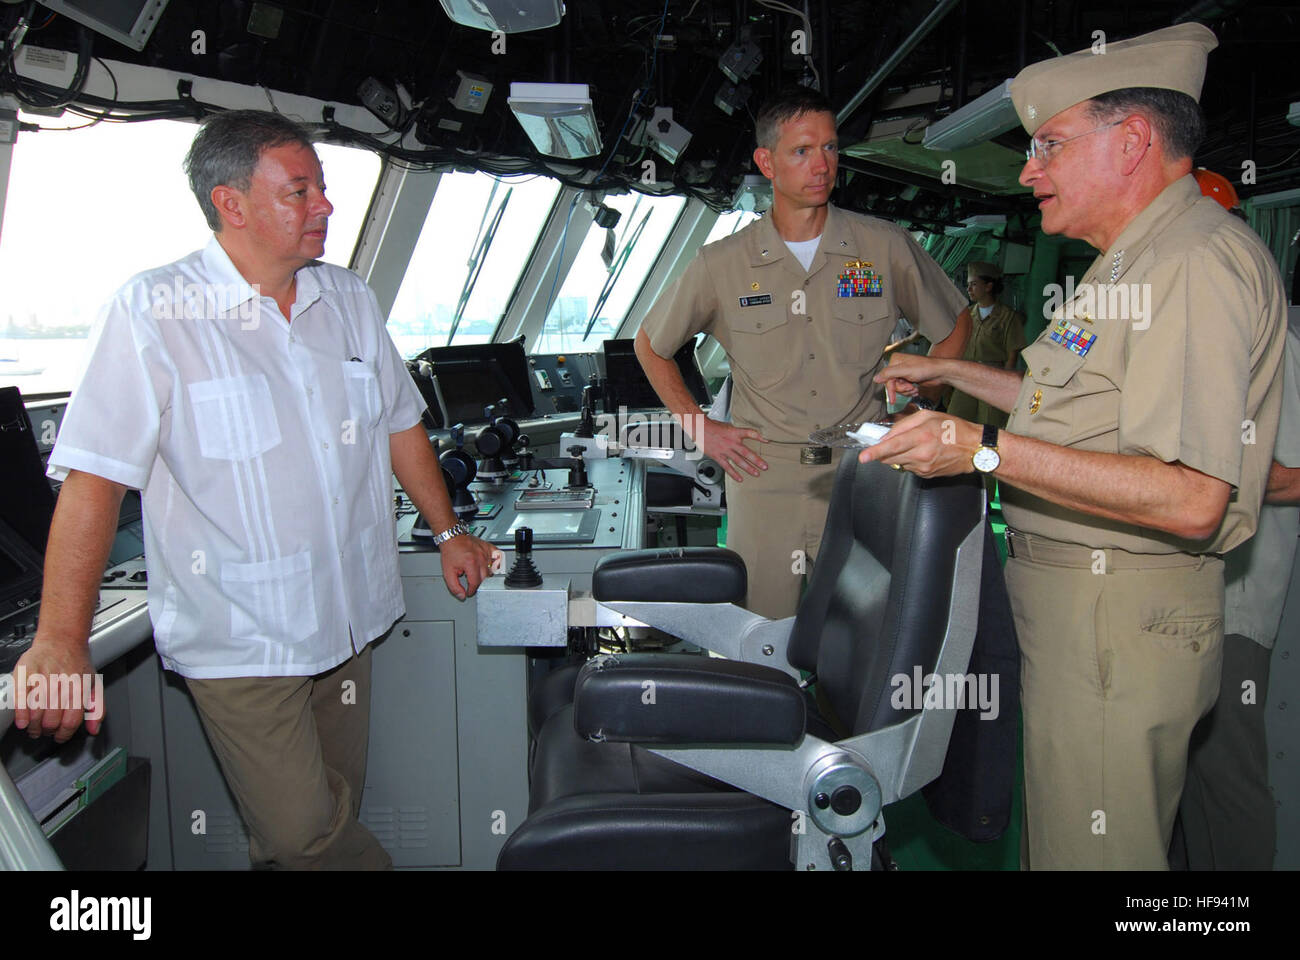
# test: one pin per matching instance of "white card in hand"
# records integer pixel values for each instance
(869, 434)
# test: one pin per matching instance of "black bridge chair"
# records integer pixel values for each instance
(679, 761)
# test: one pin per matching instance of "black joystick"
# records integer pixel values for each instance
(495, 444)
(578, 469)
(509, 429)
(459, 469)
(587, 425)
(525, 454)
(523, 573)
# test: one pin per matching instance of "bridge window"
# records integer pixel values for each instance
(729, 223)
(596, 295)
(86, 209)
(477, 238)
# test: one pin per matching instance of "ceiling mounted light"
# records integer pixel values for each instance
(668, 138)
(754, 195)
(982, 119)
(557, 117)
(505, 16)
(741, 59)
(129, 22)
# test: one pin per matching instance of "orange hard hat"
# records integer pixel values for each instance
(1217, 186)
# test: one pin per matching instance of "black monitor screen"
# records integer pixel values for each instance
(626, 384)
(26, 500)
(471, 377)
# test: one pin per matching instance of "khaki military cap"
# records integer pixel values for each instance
(982, 268)
(1171, 59)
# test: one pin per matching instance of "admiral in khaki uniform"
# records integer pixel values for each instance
(1137, 450)
(804, 340)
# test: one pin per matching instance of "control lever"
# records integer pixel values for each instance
(459, 470)
(587, 426)
(509, 428)
(578, 468)
(523, 572)
(495, 444)
(525, 454)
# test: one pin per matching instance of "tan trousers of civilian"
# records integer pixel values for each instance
(1120, 657)
(775, 521)
(293, 751)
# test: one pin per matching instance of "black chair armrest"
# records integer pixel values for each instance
(683, 698)
(686, 575)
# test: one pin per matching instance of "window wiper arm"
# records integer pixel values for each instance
(615, 271)
(476, 264)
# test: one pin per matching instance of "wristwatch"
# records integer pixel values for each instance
(986, 458)
(450, 532)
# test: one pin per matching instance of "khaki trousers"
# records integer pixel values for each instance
(1117, 667)
(293, 751)
(775, 521)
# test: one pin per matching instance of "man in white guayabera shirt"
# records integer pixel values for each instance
(253, 394)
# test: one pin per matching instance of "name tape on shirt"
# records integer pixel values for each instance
(758, 300)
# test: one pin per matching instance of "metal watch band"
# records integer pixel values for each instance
(454, 531)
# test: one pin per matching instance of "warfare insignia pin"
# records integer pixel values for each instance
(1036, 402)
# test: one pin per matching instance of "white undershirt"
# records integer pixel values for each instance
(804, 250)
(985, 311)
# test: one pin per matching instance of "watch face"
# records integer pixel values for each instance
(986, 459)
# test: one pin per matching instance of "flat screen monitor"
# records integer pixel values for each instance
(468, 378)
(26, 500)
(626, 385)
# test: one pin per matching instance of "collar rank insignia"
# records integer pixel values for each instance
(1073, 338)
(859, 280)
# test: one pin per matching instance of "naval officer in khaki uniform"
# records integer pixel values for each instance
(804, 301)
(997, 337)
(1137, 451)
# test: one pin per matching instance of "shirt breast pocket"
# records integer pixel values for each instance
(361, 382)
(1053, 391)
(234, 417)
(861, 328)
(760, 343)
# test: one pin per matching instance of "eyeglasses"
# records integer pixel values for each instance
(1044, 149)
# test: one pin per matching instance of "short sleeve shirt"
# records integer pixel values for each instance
(1257, 573)
(261, 449)
(1171, 347)
(804, 344)
(996, 337)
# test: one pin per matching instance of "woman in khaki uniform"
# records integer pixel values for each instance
(997, 337)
